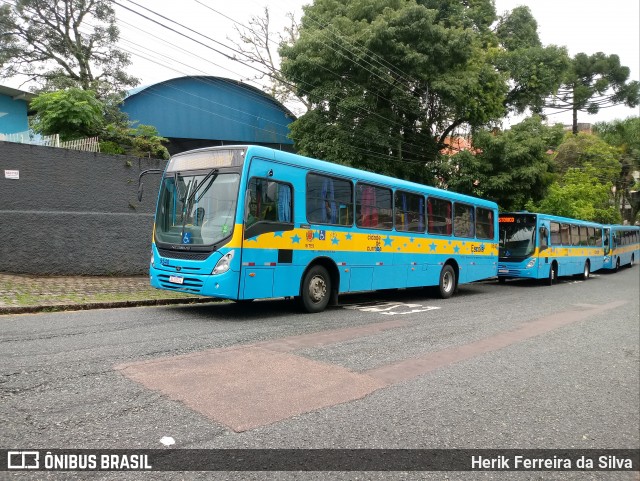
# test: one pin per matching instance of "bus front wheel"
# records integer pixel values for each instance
(447, 284)
(316, 289)
(552, 276)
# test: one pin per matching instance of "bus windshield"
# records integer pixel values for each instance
(196, 208)
(517, 237)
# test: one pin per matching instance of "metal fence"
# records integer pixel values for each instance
(90, 144)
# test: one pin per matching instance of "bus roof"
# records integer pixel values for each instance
(555, 218)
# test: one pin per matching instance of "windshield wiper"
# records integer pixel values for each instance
(198, 187)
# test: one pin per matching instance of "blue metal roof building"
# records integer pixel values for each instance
(202, 111)
(14, 105)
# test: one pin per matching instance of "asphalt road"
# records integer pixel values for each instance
(519, 365)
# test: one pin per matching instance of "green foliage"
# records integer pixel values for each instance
(147, 143)
(578, 150)
(580, 194)
(593, 82)
(72, 113)
(511, 167)
(387, 81)
(535, 71)
(625, 136)
(63, 44)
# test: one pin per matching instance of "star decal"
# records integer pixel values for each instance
(278, 234)
(456, 249)
(295, 239)
(387, 241)
(335, 241)
(432, 246)
(348, 237)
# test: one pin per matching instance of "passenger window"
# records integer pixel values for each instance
(575, 235)
(463, 221)
(484, 223)
(438, 216)
(268, 200)
(373, 207)
(329, 200)
(555, 234)
(409, 212)
(565, 235)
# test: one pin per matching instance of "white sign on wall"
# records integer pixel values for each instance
(12, 174)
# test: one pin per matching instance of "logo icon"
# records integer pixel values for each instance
(23, 460)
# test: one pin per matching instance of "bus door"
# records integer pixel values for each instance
(266, 256)
(543, 245)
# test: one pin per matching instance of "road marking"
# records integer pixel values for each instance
(390, 308)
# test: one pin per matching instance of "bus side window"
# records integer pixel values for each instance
(555, 234)
(484, 223)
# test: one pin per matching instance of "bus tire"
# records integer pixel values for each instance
(447, 283)
(632, 261)
(586, 271)
(502, 280)
(553, 275)
(617, 265)
(316, 289)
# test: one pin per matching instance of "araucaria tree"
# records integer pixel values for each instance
(594, 82)
(62, 44)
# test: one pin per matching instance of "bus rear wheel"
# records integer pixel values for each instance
(552, 276)
(316, 289)
(586, 271)
(447, 284)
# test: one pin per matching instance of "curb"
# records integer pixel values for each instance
(103, 305)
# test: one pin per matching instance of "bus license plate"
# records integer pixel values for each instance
(176, 279)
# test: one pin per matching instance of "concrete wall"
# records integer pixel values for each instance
(74, 213)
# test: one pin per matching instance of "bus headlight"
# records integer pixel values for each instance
(531, 263)
(152, 263)
(224, 264)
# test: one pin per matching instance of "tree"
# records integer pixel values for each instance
(535, 71)
(259, 45)
(388, 81)
(580, 194)
(511, 167)
(594, 82)
(147, 142)
(625, 135)
(72, 113)
(62, 44)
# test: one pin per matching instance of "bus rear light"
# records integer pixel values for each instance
(224, 264)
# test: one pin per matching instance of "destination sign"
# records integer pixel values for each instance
(206, 159)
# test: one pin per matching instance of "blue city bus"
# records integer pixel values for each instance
(622, 246)
(248, 222)
(541, 246)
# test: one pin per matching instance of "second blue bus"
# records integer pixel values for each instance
(542, 246)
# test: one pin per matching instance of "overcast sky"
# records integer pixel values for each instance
(581, 25)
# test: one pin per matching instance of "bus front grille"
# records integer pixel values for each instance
(189, 284)
(184, 255)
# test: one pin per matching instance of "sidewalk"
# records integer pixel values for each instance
(21, 293)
